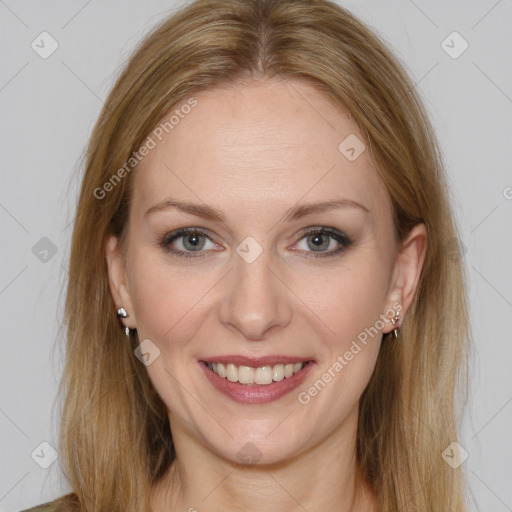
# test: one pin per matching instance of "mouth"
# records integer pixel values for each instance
(256, 381)
(261, 376)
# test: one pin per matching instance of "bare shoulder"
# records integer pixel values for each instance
(66, 503)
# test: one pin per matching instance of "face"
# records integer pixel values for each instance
(261, 282)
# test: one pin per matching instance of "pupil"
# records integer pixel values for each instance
(193, 240)
(317, 240)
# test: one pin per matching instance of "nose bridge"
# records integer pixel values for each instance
(257, 299)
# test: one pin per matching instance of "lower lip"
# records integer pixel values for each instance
(257, 394)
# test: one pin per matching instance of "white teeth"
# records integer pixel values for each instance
(232, 373)
(220, 370)
(263, 375)
(245, 375)
(278, 372)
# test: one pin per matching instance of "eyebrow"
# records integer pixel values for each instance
(294, 213)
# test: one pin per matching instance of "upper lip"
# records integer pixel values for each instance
(256, 362)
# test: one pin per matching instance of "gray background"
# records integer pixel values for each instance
(48, 109)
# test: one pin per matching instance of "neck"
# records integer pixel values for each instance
(320, 478)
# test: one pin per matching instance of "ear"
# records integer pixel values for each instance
(407, 272)
(118, 282)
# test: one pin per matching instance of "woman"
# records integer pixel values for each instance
(261, 311)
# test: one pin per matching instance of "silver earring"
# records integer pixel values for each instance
(121, 313)
(395, 321)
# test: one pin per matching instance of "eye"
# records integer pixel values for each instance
(320, 239)
(188, 241)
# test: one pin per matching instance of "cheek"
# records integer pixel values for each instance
(165, 299)
(348, 300)
(350, 304)
(351, 307)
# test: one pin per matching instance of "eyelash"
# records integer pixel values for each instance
(340, 237)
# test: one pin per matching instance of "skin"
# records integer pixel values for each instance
(253, 151)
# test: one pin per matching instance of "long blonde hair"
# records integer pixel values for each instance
(115, 437)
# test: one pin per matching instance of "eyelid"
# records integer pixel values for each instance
(182, 232)
(339, 236)
(323, 229)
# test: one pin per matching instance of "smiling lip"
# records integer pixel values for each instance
(256, 394)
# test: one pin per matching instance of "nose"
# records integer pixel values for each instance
(256, 300)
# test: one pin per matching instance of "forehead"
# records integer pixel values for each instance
(252, 145)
